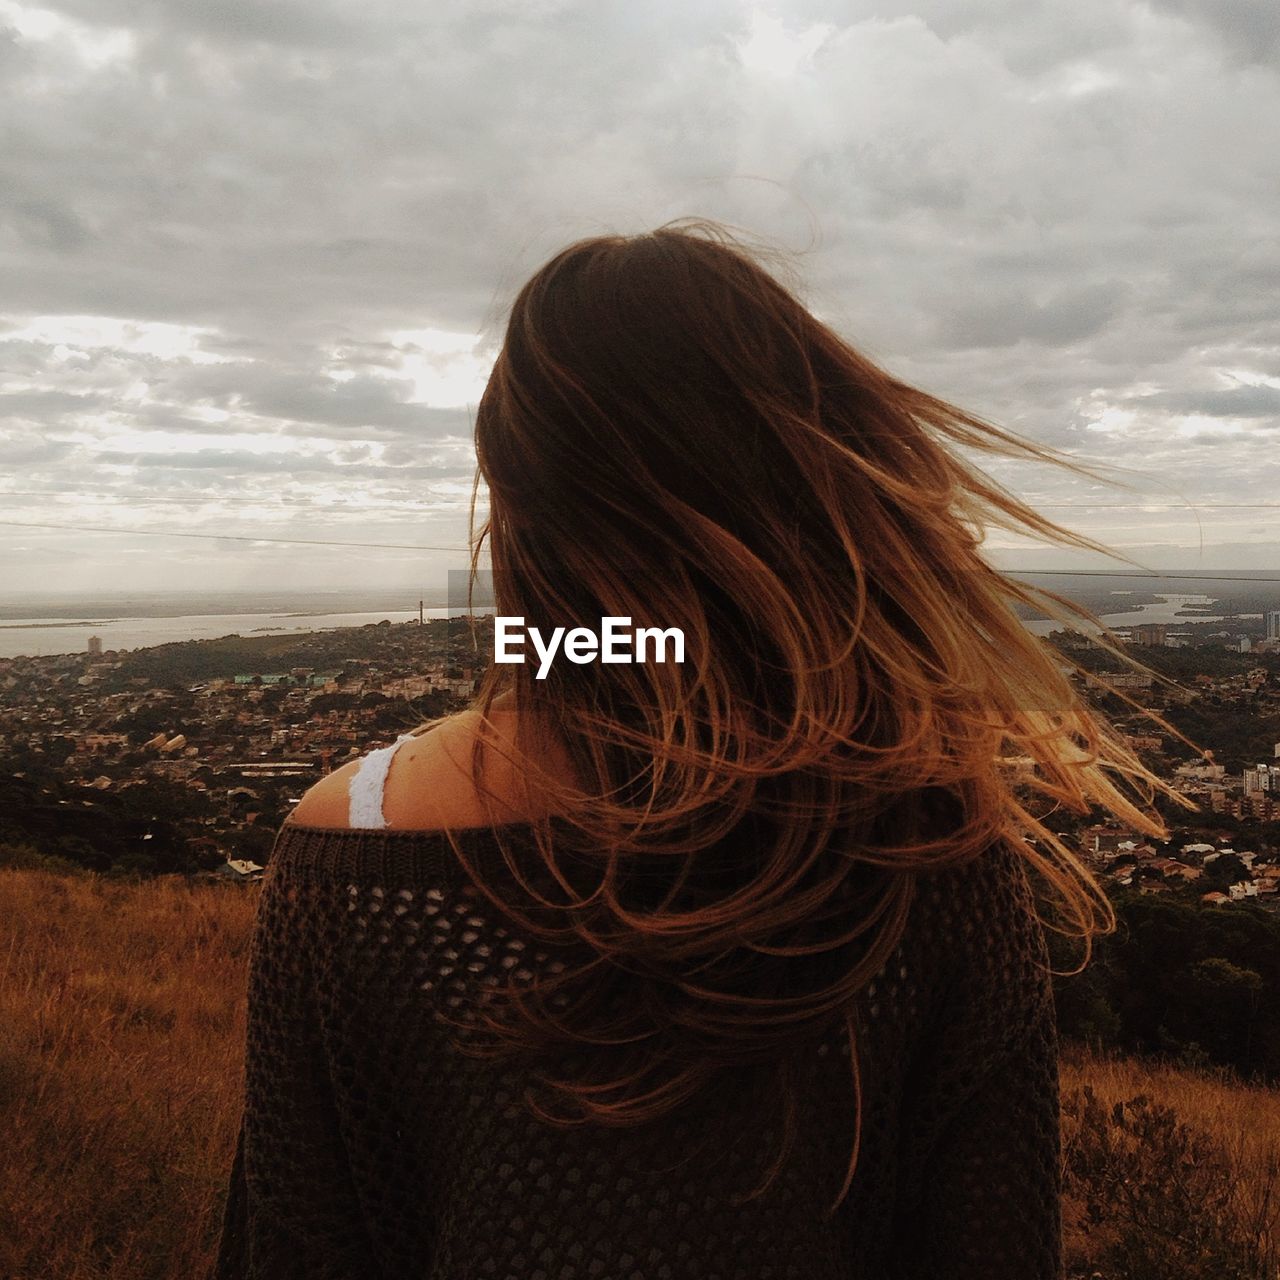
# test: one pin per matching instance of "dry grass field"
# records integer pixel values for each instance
(121, 1026)
(1170, 1174)
(121, 1030)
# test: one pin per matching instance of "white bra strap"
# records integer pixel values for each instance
(368, 783)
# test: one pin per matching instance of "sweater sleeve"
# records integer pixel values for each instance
(983, 1141)
(291, 1208)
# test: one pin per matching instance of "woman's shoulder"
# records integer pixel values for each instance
(430, 785)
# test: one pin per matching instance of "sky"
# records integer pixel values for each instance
(255, 258)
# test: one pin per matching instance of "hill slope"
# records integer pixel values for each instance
(121, 1029)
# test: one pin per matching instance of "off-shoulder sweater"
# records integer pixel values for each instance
(370, 1148)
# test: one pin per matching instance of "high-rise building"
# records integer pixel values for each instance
(1260, 778)
(1150, 633)
(95, 645)
(1273, 624)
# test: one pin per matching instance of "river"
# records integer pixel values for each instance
(37, 637)
(1163, 610)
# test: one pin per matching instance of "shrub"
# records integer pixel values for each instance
(26, 857)
(1164, 1201)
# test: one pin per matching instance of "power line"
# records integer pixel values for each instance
(195, 499)
(413, 546)
(133, 501)
(228, 537)
(219, 499)
(1205, 576)
(1142, 506)
(1208, 576)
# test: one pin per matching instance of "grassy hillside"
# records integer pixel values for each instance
(121, 1025)
(1170, 1174)
(121, 1029)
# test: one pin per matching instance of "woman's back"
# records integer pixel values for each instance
(799, 838)
(371, 1147)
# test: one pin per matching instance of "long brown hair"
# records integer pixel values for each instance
(669, 435)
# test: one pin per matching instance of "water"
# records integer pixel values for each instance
(1165, 609)
(135, 623)
(40, 636)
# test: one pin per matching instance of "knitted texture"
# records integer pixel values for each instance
(370, 1147)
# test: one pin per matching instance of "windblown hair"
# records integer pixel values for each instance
(669, 435)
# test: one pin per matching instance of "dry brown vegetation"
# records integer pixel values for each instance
(122, 1024)
(1170, 1174)
(121, 1030)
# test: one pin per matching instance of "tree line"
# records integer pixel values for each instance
(1197, 983)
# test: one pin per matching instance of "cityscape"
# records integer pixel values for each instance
(141, 792)
(196, 776)
(224, 756)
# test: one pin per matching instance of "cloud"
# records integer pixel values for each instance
(1060, 320)
(1251, 401)
(240, 239)
(1248, 29)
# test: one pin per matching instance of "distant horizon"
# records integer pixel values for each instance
(108, 604)
(62, 623)
(439, 593)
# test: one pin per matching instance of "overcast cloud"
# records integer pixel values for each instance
(255, 256)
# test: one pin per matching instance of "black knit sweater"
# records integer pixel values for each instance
(371, 1148)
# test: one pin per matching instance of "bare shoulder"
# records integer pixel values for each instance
(430, 785)
(326, 803)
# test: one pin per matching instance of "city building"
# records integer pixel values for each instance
(1260, 778)
(1205, 771)
(1126, 679)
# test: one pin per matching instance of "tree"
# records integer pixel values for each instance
(1224, 871)
(1219, 1011)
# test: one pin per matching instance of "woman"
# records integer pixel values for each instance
(730, 967)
